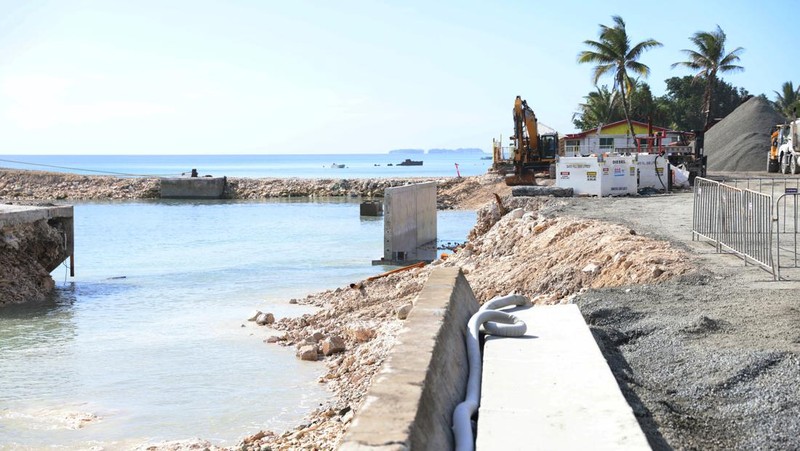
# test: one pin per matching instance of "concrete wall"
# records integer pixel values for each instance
(410, 403)
(61, 217)
(192, 187)
(410, 222)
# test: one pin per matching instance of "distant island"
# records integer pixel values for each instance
(460, 151)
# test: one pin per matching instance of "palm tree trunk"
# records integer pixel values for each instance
(707, 100)
(627, 115)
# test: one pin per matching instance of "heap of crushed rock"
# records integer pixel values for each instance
(740, 142)
(528, 250)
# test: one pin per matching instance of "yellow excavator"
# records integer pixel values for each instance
(532, 152)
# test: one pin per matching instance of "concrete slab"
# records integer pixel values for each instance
(20, 214)
(552, 389)
(409, 224)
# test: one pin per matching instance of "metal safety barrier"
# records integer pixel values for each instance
(735, 220)
(786, 230)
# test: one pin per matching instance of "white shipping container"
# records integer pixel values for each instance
(582, 174)
(618, 176)
(652, 171)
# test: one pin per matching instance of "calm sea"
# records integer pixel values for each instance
(148, 336)
(303, 166)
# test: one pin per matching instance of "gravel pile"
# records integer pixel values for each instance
(740, 142)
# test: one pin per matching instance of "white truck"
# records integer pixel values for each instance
(785, 149)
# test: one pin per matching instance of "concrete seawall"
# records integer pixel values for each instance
(411, 401)
(34, 240)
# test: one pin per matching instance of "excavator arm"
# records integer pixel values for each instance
(526, 139)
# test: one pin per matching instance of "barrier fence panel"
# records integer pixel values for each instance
(704, 214)
(735, 220)
(787, 230)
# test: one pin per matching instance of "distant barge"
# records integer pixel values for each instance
(410, 162)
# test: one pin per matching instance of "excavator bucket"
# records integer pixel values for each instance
(526, 178)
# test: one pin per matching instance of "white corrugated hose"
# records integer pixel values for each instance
(494, 322)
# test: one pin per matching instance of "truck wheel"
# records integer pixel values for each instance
(793, 166)
(785, 164)
(773, 165)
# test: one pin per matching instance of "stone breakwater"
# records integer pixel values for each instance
(20, 185)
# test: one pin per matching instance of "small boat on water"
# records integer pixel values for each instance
(410, 162)
(337, 166)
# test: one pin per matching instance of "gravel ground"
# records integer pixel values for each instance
(708, 360)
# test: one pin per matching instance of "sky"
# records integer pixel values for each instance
(341, 76)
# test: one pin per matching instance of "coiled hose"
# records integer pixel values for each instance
(495, 323)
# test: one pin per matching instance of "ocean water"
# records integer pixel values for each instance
(148, 336)
(303, 166)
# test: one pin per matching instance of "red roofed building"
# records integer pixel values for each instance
(613, 137)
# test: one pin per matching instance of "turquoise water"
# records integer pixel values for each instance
(148, 336)
(304, 166)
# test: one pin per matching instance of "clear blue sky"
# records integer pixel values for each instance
(286, 76)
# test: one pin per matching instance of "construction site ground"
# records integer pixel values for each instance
(707, 360)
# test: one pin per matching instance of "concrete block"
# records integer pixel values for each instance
(371, 208)
(192, 187)
(410, 403)
(552, 389)
(410, 223)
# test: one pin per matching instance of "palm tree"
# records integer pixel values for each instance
(614, 55)
(600, 108)
(709, 60)
(788, 99)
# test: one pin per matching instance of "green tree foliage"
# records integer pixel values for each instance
(680, 108)
(613, 55)
(682, 104)
(603, 107)
(787, 100)
(709, 60)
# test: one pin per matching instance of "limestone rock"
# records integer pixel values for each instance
(253, 316)
(308, 352)
(361, 333)
(402, 312)
(332, 345)
(264, 319)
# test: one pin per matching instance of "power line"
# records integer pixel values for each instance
(85, 170)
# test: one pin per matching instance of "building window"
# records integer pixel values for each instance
(606, 144)
(572, 147)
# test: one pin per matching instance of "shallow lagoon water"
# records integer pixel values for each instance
(148, 336)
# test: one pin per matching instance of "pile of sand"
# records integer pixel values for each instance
(740, 142)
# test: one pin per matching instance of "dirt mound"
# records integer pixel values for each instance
(740, 142)
(551, 258)
(471, 193)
